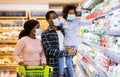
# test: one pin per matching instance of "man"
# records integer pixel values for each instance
(52, 40)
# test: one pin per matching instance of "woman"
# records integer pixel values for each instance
(30, 47)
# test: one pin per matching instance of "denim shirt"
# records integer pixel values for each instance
(71, 31)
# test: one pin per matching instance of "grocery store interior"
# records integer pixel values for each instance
(99, 45)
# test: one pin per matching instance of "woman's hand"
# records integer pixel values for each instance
(22, 64)
(43, 65)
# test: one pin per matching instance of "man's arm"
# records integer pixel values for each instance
(50, 50)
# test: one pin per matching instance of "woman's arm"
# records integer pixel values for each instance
(18, 50)
(43, 58)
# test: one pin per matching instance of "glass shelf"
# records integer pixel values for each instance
(107, 52)
(101, 72)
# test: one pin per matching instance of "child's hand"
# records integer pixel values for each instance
(71, 51)
(67, 48)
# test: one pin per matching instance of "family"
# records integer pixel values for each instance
(55, 46)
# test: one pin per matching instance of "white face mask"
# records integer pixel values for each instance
(71, 17)
(38, 33)
(56, 22)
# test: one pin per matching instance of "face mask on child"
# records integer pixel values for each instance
(38, 33)
(71, 17)
(56, 22)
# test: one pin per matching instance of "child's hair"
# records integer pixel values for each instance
(67, 8)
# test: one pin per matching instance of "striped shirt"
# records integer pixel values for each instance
(50, 42)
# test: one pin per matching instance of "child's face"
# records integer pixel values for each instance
(71, 15)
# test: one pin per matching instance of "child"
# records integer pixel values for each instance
(71, 40)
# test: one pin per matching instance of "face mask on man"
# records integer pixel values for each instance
(71, 17)
(38, 33)
(56, 22)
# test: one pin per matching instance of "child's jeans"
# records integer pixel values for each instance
(68, 60)
(69, 65)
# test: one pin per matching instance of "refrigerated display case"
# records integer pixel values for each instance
(100, 45)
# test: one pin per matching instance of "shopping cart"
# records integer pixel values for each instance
(34, 71)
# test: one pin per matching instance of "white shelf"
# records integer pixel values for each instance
(112, 9)
(82, 68)
(101, 72)
(89, 4)
(111, 33)
(105, 51)
(108, 52)
(109, 11)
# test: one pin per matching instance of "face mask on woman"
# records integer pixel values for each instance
(38, 33)
(71, 17)
(56, 22)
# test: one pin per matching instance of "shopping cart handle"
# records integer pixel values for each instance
(34, 68)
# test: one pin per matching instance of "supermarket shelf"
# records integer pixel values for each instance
(2, 53)
(101, 71)
(87, 73)
(8, 41)
(109, 12)
(82, 68)
(90, 4)
(107, 52)
(9, 29)
(8, 67)
(112, 9)
(111, 33)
